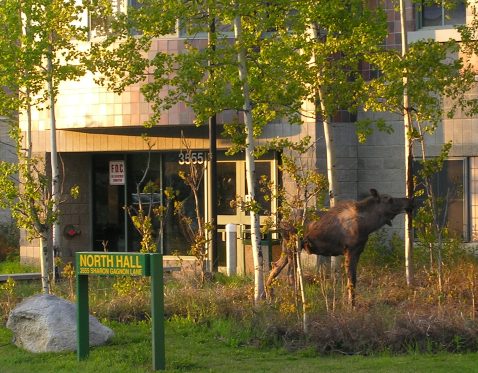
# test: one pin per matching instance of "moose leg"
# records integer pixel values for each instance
(351, 261)
(277, 267)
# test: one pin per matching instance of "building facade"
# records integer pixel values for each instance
(102, 150)
(8, 153)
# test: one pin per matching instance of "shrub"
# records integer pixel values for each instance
(8, 298)
(383, 250)
(9, 238)
(389, 316)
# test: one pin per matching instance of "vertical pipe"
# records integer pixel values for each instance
(231, 249)
(125, 209)
(213, 161)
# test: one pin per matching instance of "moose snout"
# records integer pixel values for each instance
(409, 205)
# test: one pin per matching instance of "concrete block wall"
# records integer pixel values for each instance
(345, 146)
(381, 165)
(74, 212)
(7, 154)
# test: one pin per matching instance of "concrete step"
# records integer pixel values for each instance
(20, 276)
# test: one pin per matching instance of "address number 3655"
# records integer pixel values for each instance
(191, 157)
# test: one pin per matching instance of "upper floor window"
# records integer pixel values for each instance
(451, 193)
(441, 14)
(100, 19)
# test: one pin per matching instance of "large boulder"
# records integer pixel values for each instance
(46, 323)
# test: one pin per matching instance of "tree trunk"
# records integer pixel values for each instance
(250, 166)
(55, 173)
(44, 265)
(330, 152)
(331, 174)
(300, 278)
(408, 154)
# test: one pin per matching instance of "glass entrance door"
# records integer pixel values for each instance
(231, 184)
(108, 206)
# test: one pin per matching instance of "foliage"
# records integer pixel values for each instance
(33, 31)
(130, 301)
(309, 187)
(198, 231)
(7, 297)
(436, 71)
(185, 73)
(13, 265)
(143, 213)
(40, 49)
(300, 203)
(431, 216)
(68, 273)
(9, 239)
(383, 250)
(390, 317)
(226, 74)
(25, 192)
(339, 38)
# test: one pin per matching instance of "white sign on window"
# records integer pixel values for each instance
(117, 173)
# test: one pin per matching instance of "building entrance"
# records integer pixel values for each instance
(232, 186)
(112, 226)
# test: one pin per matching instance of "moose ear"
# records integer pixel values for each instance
(374, 193)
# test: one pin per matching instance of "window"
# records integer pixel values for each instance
(100, 20)
(101, 16)
(440, 15)
(198, 27)
(474, 198)
(449, 186)
(180, 226)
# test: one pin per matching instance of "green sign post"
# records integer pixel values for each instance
(121, 264)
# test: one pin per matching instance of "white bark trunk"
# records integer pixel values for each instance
(407, 123)
(55, 173)
(250, 167)
(44, 265)
(335, 261)
(330, 152)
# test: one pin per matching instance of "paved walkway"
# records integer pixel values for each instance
(37, 276)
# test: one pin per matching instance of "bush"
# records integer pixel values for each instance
(389, 316)
(9, 241)
(383, 250)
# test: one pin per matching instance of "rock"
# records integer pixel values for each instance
(46, 323)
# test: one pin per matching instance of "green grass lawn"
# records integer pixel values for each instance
(14, 266)
(195, 348)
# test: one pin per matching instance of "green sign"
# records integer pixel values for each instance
(121, 264)
(116, 264)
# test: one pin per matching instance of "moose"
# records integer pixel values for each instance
(343, 230)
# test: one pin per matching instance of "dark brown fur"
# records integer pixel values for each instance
(344, 230)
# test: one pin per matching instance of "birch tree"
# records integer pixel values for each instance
(337, 37)
(255, 72)
(414, 82)
(41, 50)
(243, 72)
